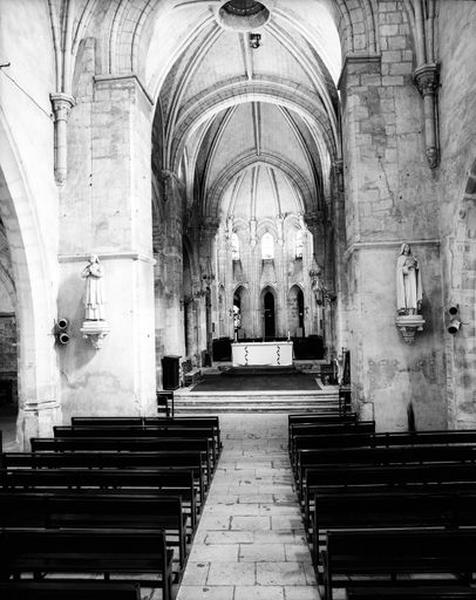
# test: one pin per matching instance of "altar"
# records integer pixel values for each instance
(244, 354)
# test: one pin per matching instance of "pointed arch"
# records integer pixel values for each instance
(38, 384)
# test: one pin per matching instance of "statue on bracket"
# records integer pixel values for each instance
(409, 294)
(95, 326)
(409, 288)
(94, 297)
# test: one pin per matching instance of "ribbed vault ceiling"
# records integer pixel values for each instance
(272, 110)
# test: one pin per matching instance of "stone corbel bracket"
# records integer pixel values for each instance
(427, 80)
(96, 332)
(408, 325)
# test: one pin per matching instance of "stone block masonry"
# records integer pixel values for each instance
(250, 543)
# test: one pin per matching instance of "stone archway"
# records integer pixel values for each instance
(296, 312)
(461, 347)
(269, 312)
(8, 333)
(242, 301)
(35, 311)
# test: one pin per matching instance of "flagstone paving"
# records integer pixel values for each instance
(250, 542)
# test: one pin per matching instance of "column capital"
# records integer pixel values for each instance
(62, 104)
(313, 219)
(427, 78)
(210, 225)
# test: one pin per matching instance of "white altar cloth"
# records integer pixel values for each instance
(244, 354)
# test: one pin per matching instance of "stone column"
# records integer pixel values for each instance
(338, 217)
(427, 81)
(208, 232)
(389, 198)
(280, 262)
(314, 222)
(254, 270)
(173, 320)
(112, 218)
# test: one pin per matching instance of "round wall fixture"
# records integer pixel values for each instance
(243, 15)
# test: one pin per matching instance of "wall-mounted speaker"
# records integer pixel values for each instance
(61, 331)
(454, 324)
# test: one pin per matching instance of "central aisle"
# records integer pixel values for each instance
(250, 542)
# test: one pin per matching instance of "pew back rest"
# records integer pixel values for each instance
(394, 509)
(419, 592)
(31, 590)
(336, 428)
(42, 509)
(320, 418)
(98, 459)
(408, 550)
(129, 444)
(111, 549)
(348, 475)
(396, 454)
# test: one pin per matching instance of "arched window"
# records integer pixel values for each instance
(299, 244)
(267, 246)
(235, 246)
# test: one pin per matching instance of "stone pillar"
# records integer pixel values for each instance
(112, 218)
(254, 270)
(314, 222)
(172, 319)
(339, 239)
(281, 308)
(389, 199)
(209, 230)
(427, 81)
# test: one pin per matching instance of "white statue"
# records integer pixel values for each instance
(409, 288)
(94, 297)
(236, 317)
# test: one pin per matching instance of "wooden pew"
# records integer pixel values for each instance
(394, 552)
(152, 432)
(317, 418)
(306, 437)
(402, 508)
(361, 478)
(307, 459)
(144, 461)
(64, 590)
(310, 435)
(190, 422)
(96, 511)
(322, 418)
(126, 445)
(82, 552)
(152, 483)
(412, 592)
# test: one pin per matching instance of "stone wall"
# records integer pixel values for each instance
(29, 203)
(106, 210)
(250, 276)
(390, 198)
(457, 199)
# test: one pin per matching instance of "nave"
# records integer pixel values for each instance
(236, 506)
(250, 543)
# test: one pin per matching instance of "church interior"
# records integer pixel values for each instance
(238, 281)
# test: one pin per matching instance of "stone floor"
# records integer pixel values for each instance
(250, 542)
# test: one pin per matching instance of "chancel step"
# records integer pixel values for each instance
(187, 401)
